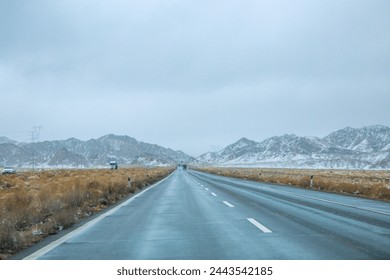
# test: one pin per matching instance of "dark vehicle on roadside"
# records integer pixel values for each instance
(114, 165)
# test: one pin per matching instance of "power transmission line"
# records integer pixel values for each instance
(34, 137)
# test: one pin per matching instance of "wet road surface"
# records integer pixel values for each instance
(197, 216)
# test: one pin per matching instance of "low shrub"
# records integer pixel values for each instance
(10, 240)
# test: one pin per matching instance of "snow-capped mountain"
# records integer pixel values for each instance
(367, 139)
(95, 152)
(349, 148)
(364, 148)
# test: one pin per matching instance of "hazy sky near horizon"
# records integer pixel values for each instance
(192, 75)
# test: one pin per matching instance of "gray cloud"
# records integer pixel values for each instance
(193, 75)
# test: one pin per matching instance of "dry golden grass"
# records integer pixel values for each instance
(36, 204)
(366, 183)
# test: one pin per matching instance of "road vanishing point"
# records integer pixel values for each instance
(197, 216)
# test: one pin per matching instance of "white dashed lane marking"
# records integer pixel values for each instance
(228, 204)
(259, 226)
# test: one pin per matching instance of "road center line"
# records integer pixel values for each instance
(206, 189)
(259, 226)
(229, 204)
(214, 194)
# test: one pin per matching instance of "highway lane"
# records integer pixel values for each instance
(193, 215)
(312, 224)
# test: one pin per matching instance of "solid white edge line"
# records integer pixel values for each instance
(259, 226)
(228, 204)
(214, 194)
(71, 234)
(339, 203)
(375, 211)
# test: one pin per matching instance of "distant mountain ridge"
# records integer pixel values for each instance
(5, 140)
(94, 152)
(349, 148)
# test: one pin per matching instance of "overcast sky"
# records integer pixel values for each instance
(192, 75)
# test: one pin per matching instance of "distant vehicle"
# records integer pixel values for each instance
(182, 166)
(114, 165)
(8, 170)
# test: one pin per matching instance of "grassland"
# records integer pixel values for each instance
(365, 183)
(34, 205)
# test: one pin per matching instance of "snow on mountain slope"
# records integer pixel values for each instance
(367, 139)
(95, 152)
(364, 148)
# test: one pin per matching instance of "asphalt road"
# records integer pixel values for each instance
(192, 215)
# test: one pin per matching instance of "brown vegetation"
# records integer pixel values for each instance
(366, 183)
(36, 204)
